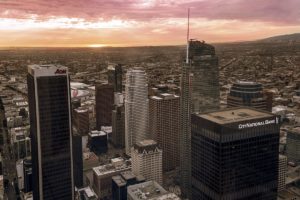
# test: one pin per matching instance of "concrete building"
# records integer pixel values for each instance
(115, 77)
(136, 108)
(86, 193)
(282, 171)
(118, 126)
(51, 132)
(164, 127)
(81, 120)
(103, 174)
(293, 145)
(150, 190)
(147, 160)
(104, 104)
(235, 155)
(244, 93)
(21, 143)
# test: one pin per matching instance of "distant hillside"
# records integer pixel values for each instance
(282, 38)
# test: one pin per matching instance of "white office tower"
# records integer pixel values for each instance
(146, 160)
(136, 108)
(282, 169)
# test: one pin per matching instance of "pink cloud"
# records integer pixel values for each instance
(275, 11)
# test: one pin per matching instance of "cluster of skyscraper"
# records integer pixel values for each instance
(230, 154)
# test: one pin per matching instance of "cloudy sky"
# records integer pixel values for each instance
(142, 22)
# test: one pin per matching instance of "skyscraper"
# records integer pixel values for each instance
(164, 127)
(199, 93)
(50, 129)
(136, 108)
(235, 155)
(293, 145)
(118, 126)
(244, 93)
(104, 104)
(146, 160)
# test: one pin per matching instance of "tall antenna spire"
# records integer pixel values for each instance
(188, 38)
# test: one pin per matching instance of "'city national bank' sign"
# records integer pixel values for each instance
(256, 124)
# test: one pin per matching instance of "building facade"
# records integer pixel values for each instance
(243, 93)
(104, 104)
(118, 126)
(282, 170)
(51, 133)
(164, 127)
(81, 120)
(199, 93)
(293, 145)
(235, 155)
(147, 160)
(136, 108)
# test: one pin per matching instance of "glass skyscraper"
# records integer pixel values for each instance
(50, 120)
(235, 155)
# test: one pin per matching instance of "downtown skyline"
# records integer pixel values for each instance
(99, 23)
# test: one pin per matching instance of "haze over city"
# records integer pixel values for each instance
(98, 23)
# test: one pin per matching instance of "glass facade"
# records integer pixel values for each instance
(232, 163)
(51, 137)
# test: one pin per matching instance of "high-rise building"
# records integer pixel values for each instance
(136, 108)
(27, 171)
(81, 120)
(104, 104)
(282, 170)
(115, 77)
(235, 155)
(199, 93)
(149, 190)
(244, 93)
(293, 145)
(118, 126)
(51, 133)
(164, 127)
(147, 160)
(77, 160)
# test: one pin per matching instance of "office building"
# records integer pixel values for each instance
(115, 77)
(102, 176)
(235, 155)
(199, 93)
(77, 160)
(146, 160)
(104, 104)
(150, 190)
(136, 108)
(81, 121)
(21, 143)
(293, 145)
(121, 182)
(98, 142)
(164, 127)
(118, 126)
(244, 93)
(27, 171)
(282, 170)
(51, 133)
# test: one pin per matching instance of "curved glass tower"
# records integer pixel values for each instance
(136, 108)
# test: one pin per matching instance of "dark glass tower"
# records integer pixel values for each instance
(50, 120)
(235, 155)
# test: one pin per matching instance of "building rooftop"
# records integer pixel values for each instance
(96, 133)
(146, 190)
(234, 115)
(47, 70)
(110, 168)
(128, 175)
(119, 180)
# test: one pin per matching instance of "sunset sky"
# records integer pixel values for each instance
(96, 23)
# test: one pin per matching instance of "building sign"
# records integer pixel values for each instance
(60, 71)
(260, 123)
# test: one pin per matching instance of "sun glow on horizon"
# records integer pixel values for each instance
(97, 45)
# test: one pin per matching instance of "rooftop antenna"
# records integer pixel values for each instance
(188, 38)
